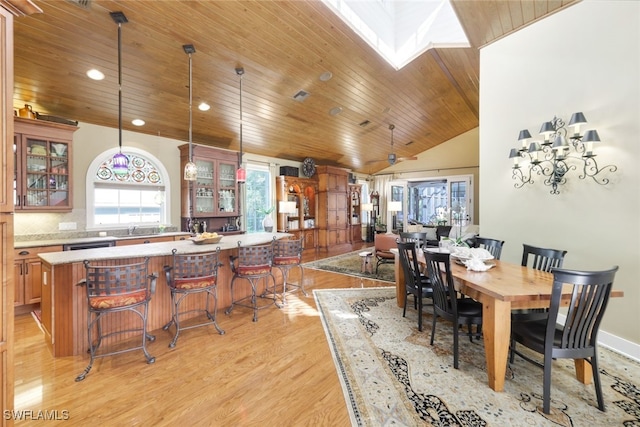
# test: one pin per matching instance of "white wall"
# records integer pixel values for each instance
(583, 58)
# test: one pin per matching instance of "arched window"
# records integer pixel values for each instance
(139, 198)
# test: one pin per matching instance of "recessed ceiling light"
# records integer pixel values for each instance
(335, 111)
(326, 76)
(204, 106)
(95, 74)
(137, 122)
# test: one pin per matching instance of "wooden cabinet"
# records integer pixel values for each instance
(28, 274)
(333, 207)
(42, 159)
(301, 194)
(213, 197)
(355, 212)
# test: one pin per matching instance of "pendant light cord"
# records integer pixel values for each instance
(240, 120)
(120, 87)
(190, 110)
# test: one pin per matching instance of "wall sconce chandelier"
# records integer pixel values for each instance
(555, 156)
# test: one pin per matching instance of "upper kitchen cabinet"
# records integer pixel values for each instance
(42, 159)
(215, 191)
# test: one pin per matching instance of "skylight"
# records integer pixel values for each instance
(401, 30)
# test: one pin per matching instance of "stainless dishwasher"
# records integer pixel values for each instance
(88, 245)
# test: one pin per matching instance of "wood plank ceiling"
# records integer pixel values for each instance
(284, 46)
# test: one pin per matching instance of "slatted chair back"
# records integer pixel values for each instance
(589, 297)
(417, 237)
(438, 269)
(494, 246)
(542, 259)
(410, 266)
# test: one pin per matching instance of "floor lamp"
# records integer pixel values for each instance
(368, 207)
(395, 207)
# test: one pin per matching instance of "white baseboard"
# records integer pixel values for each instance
(619, 345)
(614, 343)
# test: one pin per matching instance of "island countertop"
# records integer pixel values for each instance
(64, 304)
(158, 249)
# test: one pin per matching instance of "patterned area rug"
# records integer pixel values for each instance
(392, 376)
(351, 264)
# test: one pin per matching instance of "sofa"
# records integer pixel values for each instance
(435, 233)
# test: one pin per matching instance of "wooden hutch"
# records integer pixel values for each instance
(213, 203)
(333, 207)
(301, 221)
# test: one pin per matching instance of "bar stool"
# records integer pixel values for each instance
(251, 264)
(287, 254)
(192, 274)
(115, 289)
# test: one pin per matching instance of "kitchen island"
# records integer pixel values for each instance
(64, 305)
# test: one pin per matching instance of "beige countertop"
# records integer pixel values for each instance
(157, 249)
(56, 242)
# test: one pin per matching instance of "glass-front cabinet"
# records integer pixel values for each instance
(226, 188)
(42, 156)
(212, 198)
(205, 187)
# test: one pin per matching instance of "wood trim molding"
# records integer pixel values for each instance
(20, 7)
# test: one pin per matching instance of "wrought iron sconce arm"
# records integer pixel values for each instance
(555, 157)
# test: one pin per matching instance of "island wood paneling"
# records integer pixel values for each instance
(69, 325)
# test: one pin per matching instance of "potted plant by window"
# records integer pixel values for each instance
(267, 221)
(380, 226)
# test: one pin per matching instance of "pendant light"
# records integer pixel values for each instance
(190, 169)
(119, 162)
(241, 173)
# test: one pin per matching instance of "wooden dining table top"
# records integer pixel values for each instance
(521, 286)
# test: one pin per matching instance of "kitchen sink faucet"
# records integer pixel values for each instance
(131, 229)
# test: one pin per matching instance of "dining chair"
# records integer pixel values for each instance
(419, 238)
(189, 275)
(113, 289)
(494, 246)
(460, 311)
(577, 337)
(252, 264)
(542, 259)
(416, 283)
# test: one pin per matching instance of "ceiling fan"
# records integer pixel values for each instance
(392, 158)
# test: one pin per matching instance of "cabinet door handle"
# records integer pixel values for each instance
(26, 269)
(147, 241)
(21, 269)
(23, 253)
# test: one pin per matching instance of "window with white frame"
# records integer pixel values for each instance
(258, 196)
(138, 198)
(444, 201)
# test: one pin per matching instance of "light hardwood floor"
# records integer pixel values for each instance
(277, 371)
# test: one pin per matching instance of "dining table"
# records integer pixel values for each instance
(502, 288)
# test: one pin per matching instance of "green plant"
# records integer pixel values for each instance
(458, 241)
(265, 211)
